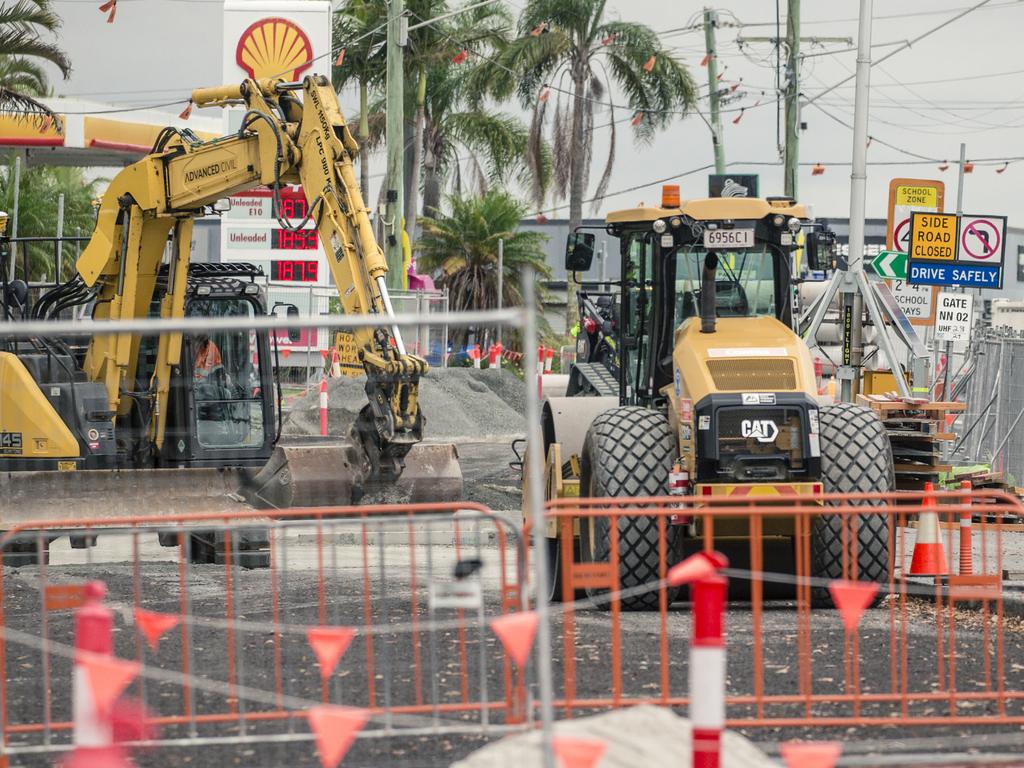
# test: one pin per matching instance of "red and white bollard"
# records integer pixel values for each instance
(966, 539)
(475, 354)
(541, 350)
(323, 408)
(494, 359)
(707, 669)
(549, 359)
(94, 633)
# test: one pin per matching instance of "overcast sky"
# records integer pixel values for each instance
(963, 83)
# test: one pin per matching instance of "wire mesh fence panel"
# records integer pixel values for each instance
(235, 620)
(932, 651)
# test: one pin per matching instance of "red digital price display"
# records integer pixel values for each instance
(293, 239)
(293, 271)
(293, 207)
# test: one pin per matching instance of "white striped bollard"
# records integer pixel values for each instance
(323, 408)
(94, 633)
(707, 669)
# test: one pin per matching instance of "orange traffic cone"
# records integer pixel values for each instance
(929, 557)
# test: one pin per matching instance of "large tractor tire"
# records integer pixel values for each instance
(855, 457)
(628, 452)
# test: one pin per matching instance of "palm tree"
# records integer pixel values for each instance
(358, 30)
(460, 128)
(439, 50)
(463, 247)
(569, 54)
(21, 79)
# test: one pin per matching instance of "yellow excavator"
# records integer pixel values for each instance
(181, 422)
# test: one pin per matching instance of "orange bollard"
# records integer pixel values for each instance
(929, 557)
(966, 539)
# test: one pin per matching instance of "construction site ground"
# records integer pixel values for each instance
(485, 455)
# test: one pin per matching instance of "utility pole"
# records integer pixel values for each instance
(395, 138)
(792, 151)
(791, 91)
(710, 22)
(851, 302)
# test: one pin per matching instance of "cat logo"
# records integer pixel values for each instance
(764, 431)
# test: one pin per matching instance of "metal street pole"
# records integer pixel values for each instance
(14, 217)
(851, 302)
(501, 277)
(534, 501)
(959, 211)
(710, 21)
(395, 139)
(792, 152)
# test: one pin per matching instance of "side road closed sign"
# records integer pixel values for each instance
(950, 249)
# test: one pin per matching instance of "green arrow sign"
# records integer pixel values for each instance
(891, 264)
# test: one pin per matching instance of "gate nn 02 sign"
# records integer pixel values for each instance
(965, 250)
(953, 316)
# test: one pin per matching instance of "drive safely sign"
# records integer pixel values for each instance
(951, 249)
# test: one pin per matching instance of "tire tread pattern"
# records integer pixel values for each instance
(856, 456)
(628, 452)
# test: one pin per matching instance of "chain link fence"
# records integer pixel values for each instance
(992, 385)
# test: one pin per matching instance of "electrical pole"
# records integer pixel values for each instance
(395, 138)
(792, 151)
(791, 90)
(710, 22)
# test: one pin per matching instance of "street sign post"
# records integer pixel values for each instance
(891, 264)
(953, 317)
(905, 197)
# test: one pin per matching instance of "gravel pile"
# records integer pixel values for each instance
(457, 403)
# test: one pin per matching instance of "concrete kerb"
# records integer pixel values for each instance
(644, 735)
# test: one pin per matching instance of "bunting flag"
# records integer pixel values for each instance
(541, 218)
(722, 73)
(734, 86)
(944, 166)
(539, 29)
(460, 57)
(108, 677)
(736, 120)
(329, 644)
(516, 632)
(1005, 166)
(705, 60)
(340, 59)
(111, 6)
(186, 113)
(852, 598)
(817, 169)
(609, 40)
(544, 94)
(822, 754)
(154, 625)
(574, 752)
(335, 729)
(636, 119)
(968, 167)
(130, 721)
(649, 64)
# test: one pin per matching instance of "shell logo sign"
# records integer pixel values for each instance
(274, 47)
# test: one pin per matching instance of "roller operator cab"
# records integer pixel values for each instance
(689, 365)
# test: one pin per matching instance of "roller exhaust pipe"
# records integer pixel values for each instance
(707, 294)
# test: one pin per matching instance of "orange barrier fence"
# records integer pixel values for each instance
(920, 658)
(238, 622)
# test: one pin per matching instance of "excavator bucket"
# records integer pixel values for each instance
(327, 473)
(334, 472)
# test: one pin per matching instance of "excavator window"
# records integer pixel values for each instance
(226, 378)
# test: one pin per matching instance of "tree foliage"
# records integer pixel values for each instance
(22, 26)
(37, 212)
(463, 247)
